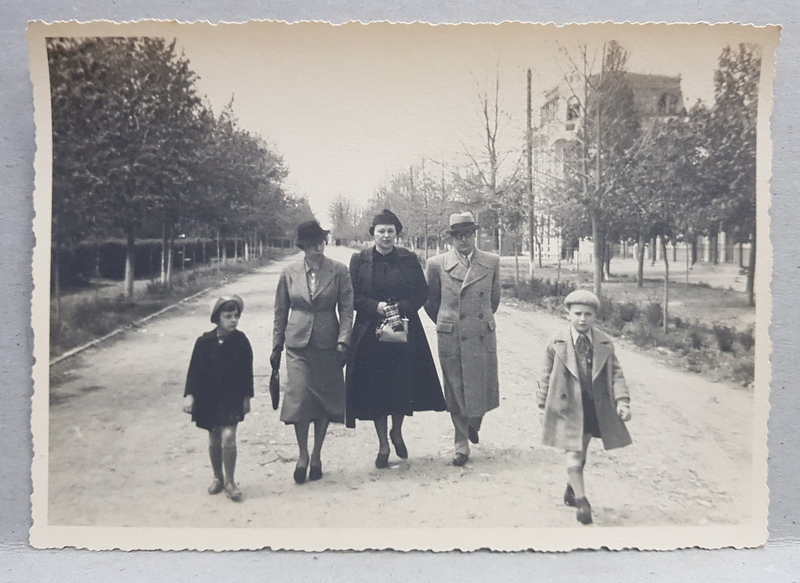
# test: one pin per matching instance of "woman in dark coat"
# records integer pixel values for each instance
(389, 378)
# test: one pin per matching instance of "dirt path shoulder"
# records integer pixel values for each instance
(122, 453)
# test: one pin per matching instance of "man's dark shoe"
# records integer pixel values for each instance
(473, 434)
(460, 459)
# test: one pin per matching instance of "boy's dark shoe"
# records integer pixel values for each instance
(460, 459)
(472, 433)
(569, 496)
(584, 513)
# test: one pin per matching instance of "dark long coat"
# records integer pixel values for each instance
(462, 303)
(220, 376)
(560, 393)
(412, 363)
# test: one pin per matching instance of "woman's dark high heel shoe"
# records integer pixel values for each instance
(382, 460)
(300, 474)
(569, 496)
(399, 446)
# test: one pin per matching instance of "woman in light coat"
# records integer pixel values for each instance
(309, 295)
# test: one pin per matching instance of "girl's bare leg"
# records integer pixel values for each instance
(229, 461)
(215, 454)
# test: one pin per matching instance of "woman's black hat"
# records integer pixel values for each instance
(310, 233)
(385, 217)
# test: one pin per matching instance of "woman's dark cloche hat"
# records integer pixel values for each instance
(222, 301)
(385, 217)
(461, 223)
(310, 233)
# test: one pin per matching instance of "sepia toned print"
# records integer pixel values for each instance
(176, 162)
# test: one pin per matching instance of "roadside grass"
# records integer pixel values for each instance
(709, 329)
(87, 315)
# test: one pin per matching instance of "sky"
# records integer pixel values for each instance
(347, 106)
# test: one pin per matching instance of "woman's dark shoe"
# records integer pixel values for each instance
(399, 446)
(233, 492)
(569, 496)
(382, 460)
(314, 472)
(472, 433)
(216, 486)
(584, 512)
(300, 474)
(460, 459)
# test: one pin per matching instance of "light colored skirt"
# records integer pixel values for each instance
(314, 386)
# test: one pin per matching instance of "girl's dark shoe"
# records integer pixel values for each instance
(314, 472)
(569, 496)
(300, 474)
(584, 512)
(382, 460)
(399, 446)
(233, 492)
(216, 486)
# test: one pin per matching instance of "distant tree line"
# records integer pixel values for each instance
(139, 154)
(626, 176)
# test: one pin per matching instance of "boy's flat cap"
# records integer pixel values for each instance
(582, 296)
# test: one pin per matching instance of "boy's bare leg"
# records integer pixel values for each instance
(576, 460)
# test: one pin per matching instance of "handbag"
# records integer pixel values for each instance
(275, 388)
(385, 333)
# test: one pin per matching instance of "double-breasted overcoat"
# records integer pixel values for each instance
(559, 393)
(310, 325)
(462, 302)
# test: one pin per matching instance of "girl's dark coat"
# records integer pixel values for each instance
(219, 374)
(410, 297)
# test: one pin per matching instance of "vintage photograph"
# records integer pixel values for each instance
(401, 286)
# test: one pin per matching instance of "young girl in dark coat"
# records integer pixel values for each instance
(219, 386)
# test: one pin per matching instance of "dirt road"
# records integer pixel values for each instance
(122, 453)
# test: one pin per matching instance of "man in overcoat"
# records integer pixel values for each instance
(464, 295)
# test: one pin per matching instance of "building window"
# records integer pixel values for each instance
(667, 104)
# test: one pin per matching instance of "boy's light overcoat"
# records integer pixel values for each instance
(462, 303)
(560, 393)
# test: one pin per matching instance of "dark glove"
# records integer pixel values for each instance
(275, 358)
(341, 354)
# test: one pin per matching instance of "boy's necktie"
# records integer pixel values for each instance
(583, 349)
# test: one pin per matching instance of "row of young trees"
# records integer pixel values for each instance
(137, 153)
(667, 177)
(625, 176)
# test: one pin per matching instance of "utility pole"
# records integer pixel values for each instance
(531, 222)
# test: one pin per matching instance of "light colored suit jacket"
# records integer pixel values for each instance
(302, 319)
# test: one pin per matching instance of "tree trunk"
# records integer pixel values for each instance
(170, 256)
(653, 247)
(598, 242)
(607, 259)
(687, 263)
(751, 270)
(640, 261)
(130, 251)
(219, 251)
(164, 243)
(57, 287)
(665, 309)
(516, 261)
